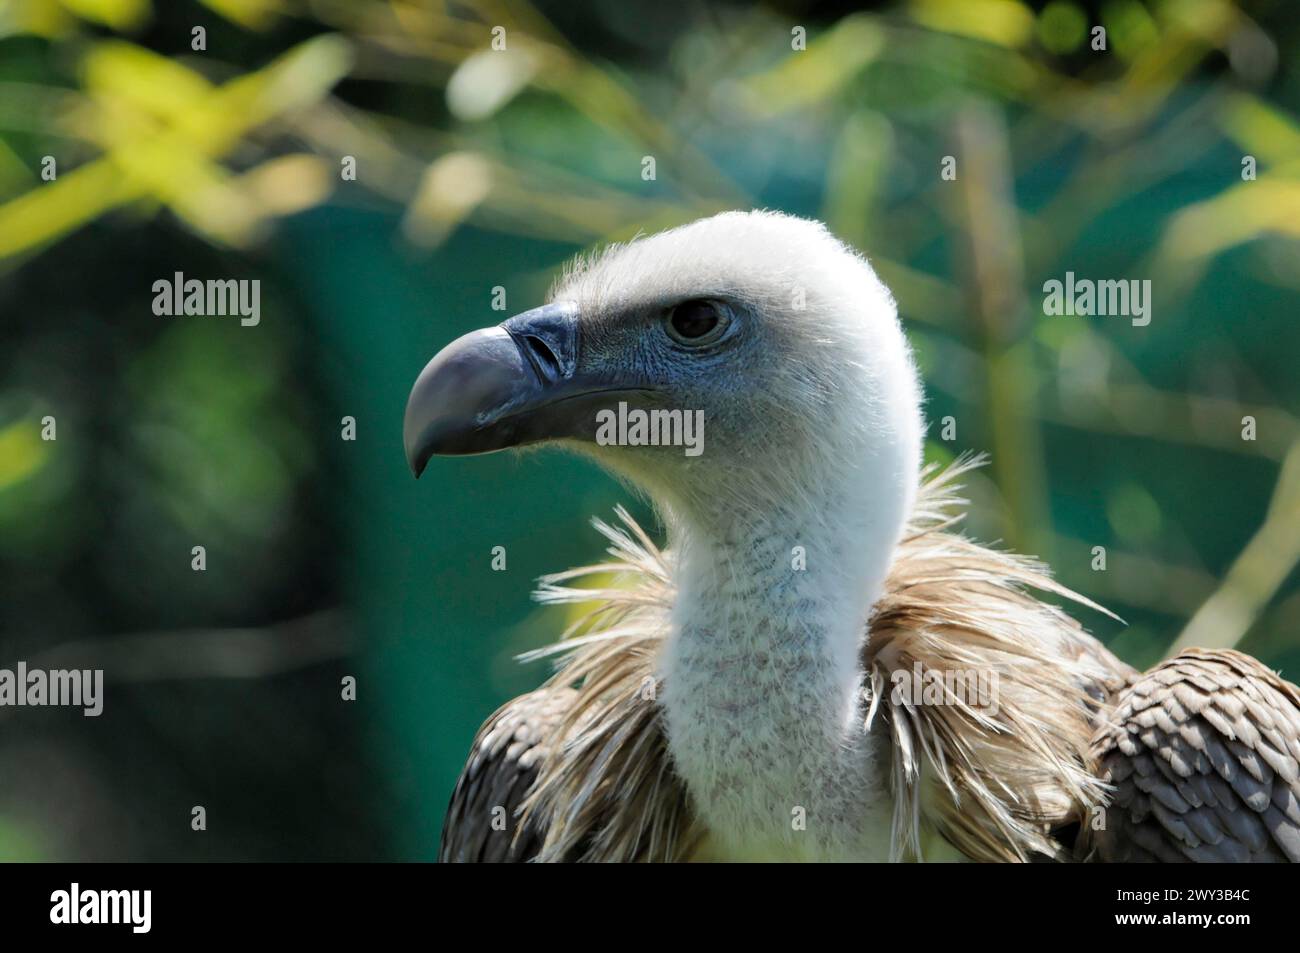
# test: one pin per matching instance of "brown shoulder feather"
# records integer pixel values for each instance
(483, 823)
(1204, 755)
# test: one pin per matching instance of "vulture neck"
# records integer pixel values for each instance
(763, 675)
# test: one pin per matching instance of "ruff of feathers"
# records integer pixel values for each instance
(995, 783)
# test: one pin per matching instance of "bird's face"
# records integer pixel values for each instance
(742, 344)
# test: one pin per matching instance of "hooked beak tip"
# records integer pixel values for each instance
(460, 389)
(418, 462)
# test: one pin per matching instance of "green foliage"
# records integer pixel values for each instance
(479, 167)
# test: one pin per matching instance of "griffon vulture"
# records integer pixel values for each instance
(802, 673)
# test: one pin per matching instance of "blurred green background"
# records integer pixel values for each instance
(479, 168)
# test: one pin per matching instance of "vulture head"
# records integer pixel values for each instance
(770, 344)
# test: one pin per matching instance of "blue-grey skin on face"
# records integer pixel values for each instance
(544, 375)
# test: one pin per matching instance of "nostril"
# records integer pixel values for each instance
(547, 337)
(544, 359)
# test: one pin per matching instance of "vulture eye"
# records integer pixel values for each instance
(697, 322)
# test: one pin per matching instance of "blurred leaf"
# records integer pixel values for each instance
(254, 14)
(22, 452)
(43, 214)
(489, 79)
(1003, 22)
(452, 187)
(1263, 130)
(830, 62)
(171, 163)
(161, 87)
(288, 184)
(859, 162)
(117, 14)
(1242, 213)
(1062, 27)
(1129, 28)
(1134, 514)
(44, 18)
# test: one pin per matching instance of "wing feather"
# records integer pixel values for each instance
(1203, 753)
(484, 822)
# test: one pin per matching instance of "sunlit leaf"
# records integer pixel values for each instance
(118, 14)
(451, 188)
(254, 14)
(1240, 214)
(489, 79)
(174, 164)
(160, 86)
(1262, 130)
(831, 60)
(997, 21)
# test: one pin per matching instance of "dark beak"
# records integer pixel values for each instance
(507, 386)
